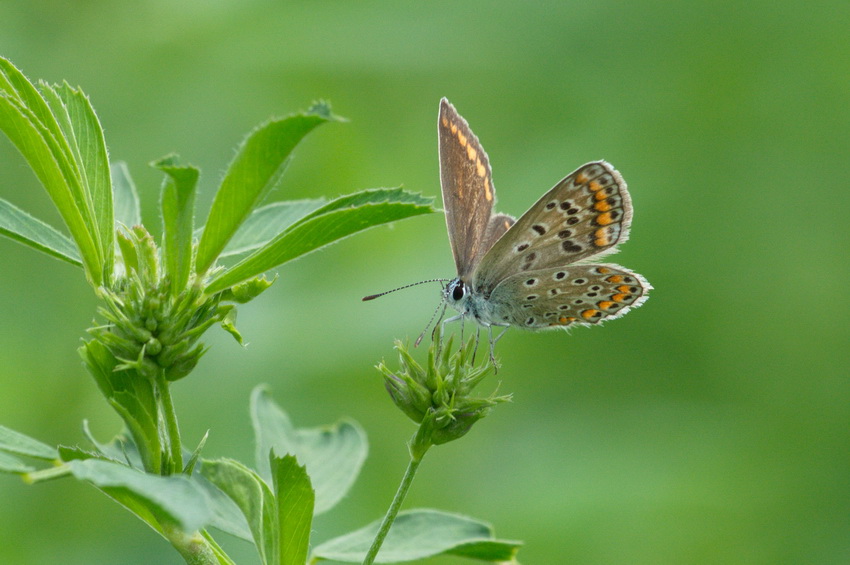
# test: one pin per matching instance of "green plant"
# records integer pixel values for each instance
(160, 295)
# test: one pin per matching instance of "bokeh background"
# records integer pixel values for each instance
(709, 426)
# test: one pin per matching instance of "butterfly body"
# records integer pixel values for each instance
(534, 272)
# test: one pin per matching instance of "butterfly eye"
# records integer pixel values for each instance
(458, 291)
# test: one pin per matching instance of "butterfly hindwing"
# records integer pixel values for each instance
(468, 193)
(585, 215)
(568, 296)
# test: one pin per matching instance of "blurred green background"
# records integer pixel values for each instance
(709, 426)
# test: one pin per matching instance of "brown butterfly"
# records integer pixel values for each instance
(535, 272)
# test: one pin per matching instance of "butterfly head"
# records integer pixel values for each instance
(456, 294)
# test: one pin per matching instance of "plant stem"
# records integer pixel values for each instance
(222, 557)
(416, 456)
(194, 548)
(175, 446)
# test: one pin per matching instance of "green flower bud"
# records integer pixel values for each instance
(439, 395)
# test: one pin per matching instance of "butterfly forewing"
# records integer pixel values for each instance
(584, 216)
(568, 296)
(499, 224)
(468, 193)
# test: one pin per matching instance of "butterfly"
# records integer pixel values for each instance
(534, 272)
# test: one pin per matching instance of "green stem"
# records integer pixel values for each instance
(175, 446)
(222, 557)
(194, 548)
(416, 455)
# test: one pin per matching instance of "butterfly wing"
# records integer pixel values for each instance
(585, 215)
(468, 193)
(568, 296)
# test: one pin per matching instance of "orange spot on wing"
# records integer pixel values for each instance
(614, 279)
(454, 129)
(471, 153)
(600, 195)
(462, 139)
(605, 304)
(619, 297)
(588, 314)
(602, 206)
(488, 194)
(581, 178)
(594, 186)
(604, 219)
(601, 236)
(480, 168)
(625, 288)
(445, 121)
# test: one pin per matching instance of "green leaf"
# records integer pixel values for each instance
(132, 397)
(257, 168)
(178, 216)
(418, 534)
(155, 499)
(330, 223)
(295, 499)
(23, 228)
(227, 516)
(127, 208)
(16, 442)
(88, 148)
(17, 86)
(266, 222)
(247, 291)
(228, 322)
(57, 174)
(254, 499)
(333, 455)
(11, 464)
(189, 468)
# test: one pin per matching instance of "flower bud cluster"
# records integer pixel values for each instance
(151, 328)
(439, 396)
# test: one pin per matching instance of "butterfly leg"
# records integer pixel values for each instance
(493, 347)
(443, 329)
(475, 349)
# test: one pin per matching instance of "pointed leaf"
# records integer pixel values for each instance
(247, 291)
(20, 444)
(120, 448)
(266, 222)
(89, 150)
(330, 223)
(333, 455)
(17, 86)
(11, 464)
(189, 468)
(23, 228)
(295, 499)
(157, 500)
(252, 496)
(178, 216)
(227, 517)
(126, 199)
(45, 157)
(257, 168)
(421, 533)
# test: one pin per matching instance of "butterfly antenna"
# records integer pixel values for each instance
(374, 296)
(425, 329)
